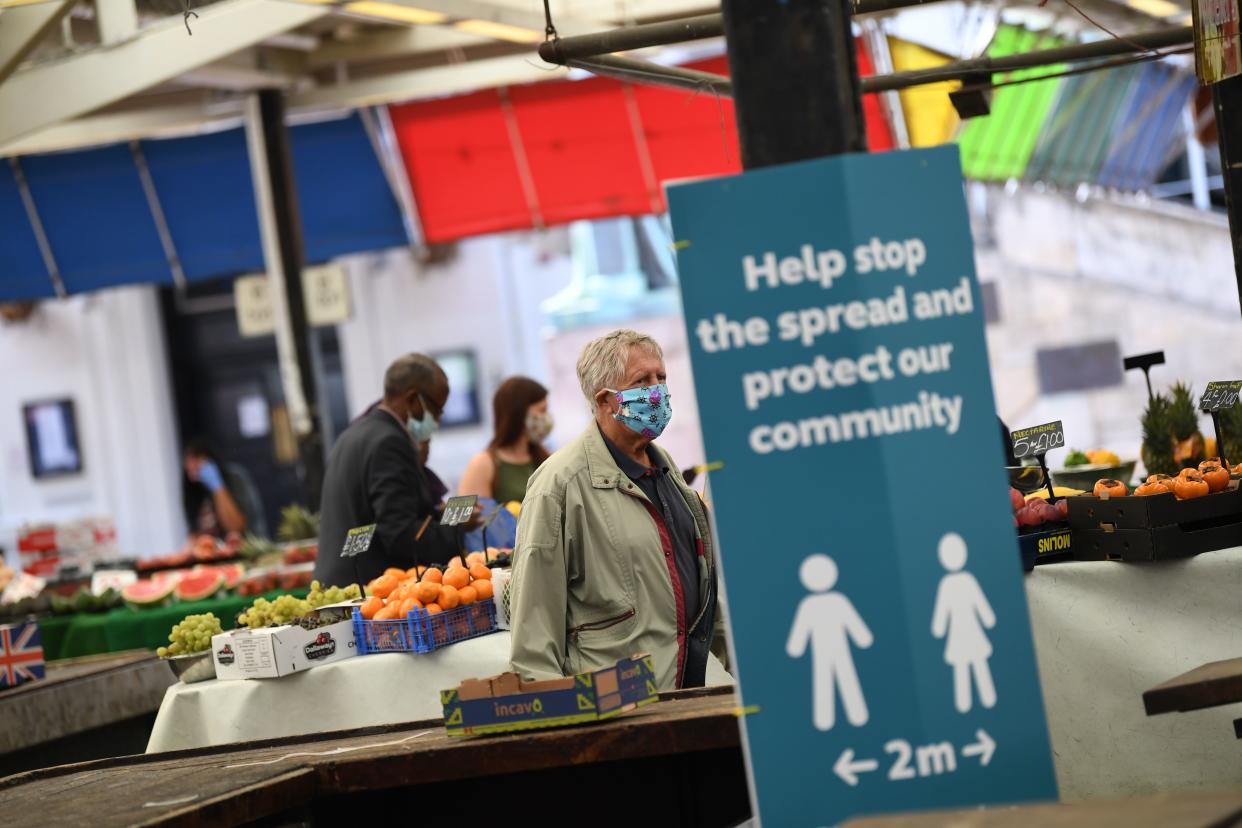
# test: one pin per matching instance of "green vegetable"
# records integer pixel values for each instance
(1076, 458)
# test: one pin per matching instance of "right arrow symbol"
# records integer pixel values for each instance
(847, 768)
(984, 748)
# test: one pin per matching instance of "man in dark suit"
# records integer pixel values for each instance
(375, 476)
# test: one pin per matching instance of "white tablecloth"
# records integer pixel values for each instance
(358, 692)
(1104, 633)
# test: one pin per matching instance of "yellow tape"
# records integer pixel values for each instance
(746, 711)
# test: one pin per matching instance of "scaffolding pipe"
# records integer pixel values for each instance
(644, 71)
(645, 35)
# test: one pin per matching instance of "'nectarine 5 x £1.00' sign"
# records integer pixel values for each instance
(838, 351)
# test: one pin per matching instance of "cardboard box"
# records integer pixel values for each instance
(505, 703)
(21, 654)
(273, 652)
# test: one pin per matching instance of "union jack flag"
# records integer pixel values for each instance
(21, 654)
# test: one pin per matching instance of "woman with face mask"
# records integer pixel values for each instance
(521, 424)
(614, 552)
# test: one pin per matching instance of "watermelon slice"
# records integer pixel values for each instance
(149, 593)
(232, 573)
(200, 585)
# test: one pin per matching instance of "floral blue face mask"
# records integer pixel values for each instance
(646, 410)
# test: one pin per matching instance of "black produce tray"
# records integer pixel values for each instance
(1045, 545)
(1087, 512)
(1154, 528)
(1160, 544)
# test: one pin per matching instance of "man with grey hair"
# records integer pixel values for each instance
(614, 553)
(375, 476)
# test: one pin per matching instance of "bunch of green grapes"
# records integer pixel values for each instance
(320, 597)
(265, 613)
(192, 635)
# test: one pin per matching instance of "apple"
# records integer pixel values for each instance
(1016, 499)
(1031, 514)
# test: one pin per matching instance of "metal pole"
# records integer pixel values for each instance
(271, 164)
(795, 80)
(644, 71)
(1227, 100)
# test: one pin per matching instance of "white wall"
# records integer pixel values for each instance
(106, 352)
(1153, 277)
(485, 298)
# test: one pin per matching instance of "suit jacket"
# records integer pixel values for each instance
(374, 476)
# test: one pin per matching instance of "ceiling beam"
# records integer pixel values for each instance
(23, 27)
(420, 83)
(57, 91)
(508, 16)
(404, 42)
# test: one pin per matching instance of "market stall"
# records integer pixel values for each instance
(380, 689)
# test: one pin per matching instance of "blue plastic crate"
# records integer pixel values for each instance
(422, 632)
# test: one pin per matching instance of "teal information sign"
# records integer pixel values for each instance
(879, 625)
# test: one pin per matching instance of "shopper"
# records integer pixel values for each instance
(218, 498)
(614, 554)
(375, 476)
(521, 424)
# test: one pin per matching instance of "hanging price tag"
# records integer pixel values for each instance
(358, 541)
(458, 510)
(1220, 395)
(1039, 440)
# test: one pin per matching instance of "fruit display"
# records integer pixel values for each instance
(1035, 509)
(297, 523)
(259, 551)
(191, 635)
(85, 601)
(199, 585)
(396, 592)
(286, 609)
(1106, 487)
(149, 593)
(1171, 436)
(1095, 457)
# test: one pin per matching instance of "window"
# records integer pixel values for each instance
(1084, 367)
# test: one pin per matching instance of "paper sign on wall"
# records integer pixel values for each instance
(838, 348)
(325, 292)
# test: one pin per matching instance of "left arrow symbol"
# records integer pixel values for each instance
(848, 769)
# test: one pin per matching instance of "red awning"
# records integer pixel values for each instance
(549, 153)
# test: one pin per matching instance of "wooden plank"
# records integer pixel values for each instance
(1183, 810)
(83, 695)
(145, 790)
(1212, 685)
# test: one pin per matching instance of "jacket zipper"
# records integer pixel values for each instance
(601, 625)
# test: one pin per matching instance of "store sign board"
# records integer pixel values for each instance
(325, 292)
(1220, 395)
(1218, 48)
(838, 351)
(1038, 440)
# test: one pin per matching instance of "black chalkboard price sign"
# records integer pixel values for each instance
(1220, 395)
(458, 510)
(358, 541)
(1039, 440)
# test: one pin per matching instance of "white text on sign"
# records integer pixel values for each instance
(906, 761)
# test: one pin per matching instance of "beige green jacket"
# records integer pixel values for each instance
(593, 577)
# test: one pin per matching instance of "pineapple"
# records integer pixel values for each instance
(1189, 448)
(297, 523)
(1157, 450)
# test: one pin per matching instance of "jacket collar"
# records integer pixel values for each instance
(604, 471)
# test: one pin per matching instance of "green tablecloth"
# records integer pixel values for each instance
(70, 636)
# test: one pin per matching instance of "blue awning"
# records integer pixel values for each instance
(102, 234)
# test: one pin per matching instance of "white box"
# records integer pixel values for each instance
(273, 652)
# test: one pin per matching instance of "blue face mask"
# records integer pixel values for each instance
(646, 410)
(421, 430)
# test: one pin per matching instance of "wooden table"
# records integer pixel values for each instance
(100, 695)
(1214, 684)
(677, 760)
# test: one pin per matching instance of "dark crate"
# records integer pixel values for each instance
(1045, 545)
(1154, 528)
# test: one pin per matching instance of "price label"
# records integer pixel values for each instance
(1037, 441)
(358, 541)
(1220, 395)
(458, 510)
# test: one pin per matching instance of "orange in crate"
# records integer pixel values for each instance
(480, 572)
(456, 577)
(467, 595)
(482, 588)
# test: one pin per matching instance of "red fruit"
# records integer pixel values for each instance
(1063, 509)
(1015, 521)
(1030, 514)
(1016, 499)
